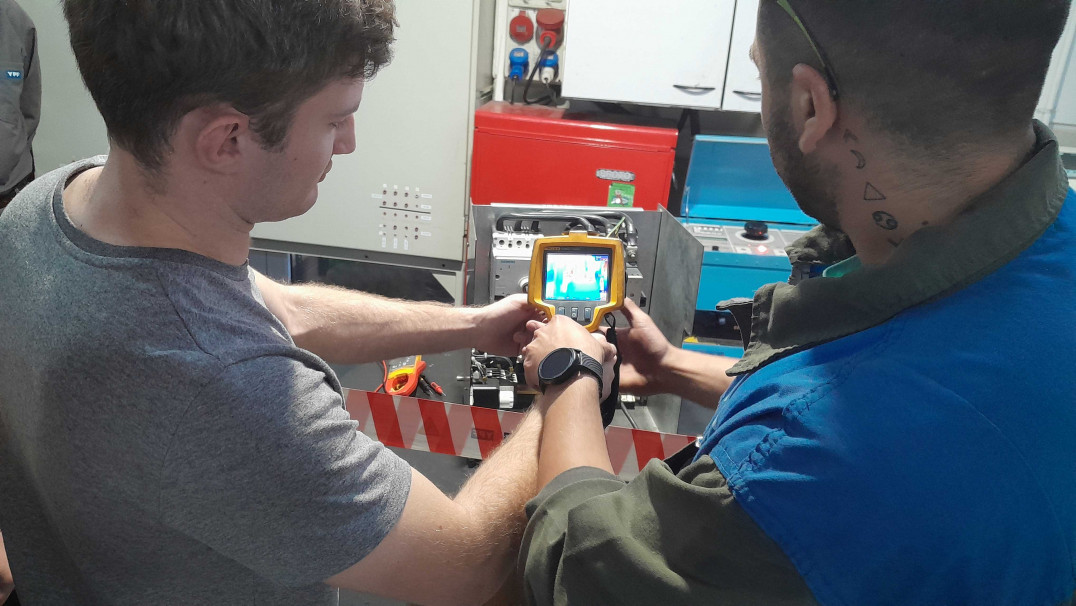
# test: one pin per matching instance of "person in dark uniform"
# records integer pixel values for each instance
(20, 99)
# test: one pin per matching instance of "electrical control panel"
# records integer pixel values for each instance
(407, 217)
(753, 238)
(529, 51)
(736, 205)
(661, 262)
(738, 258)
(510, 263)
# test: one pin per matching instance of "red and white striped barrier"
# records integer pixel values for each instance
(473, 432)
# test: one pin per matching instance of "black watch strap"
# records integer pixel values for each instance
(590, 365)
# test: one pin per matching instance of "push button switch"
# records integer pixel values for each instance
(588, 314)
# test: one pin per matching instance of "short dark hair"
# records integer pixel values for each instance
(932, 72)
(147, 63)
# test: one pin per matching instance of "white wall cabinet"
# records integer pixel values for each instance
(1058, 103)
(1057, 107)
(638, 51)
(743, 87)
(1065, 112)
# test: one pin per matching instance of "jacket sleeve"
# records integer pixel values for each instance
(31, 93)
(660, 539)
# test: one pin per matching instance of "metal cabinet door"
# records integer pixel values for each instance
(655, 53)
(743, 88)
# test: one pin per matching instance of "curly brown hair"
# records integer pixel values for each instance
(147, 63)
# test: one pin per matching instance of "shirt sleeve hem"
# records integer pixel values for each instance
(566, 479)
(389, 518)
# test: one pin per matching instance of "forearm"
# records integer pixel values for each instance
(351, 327)
(695, 376)
(495, 496)
(456, 551)
(573, 435)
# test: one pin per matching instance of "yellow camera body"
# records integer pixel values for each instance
(579, 276)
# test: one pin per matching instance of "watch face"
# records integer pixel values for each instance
(556, 364)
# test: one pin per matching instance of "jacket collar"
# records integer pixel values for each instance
(932, 263)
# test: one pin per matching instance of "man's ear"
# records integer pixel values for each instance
(220, 138)
(814, 111)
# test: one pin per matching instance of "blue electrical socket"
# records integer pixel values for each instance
(518, 62)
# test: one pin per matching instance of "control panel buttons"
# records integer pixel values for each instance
(575, 313)
(756, 230)
(588, 314)
(755, 238)
(560, 311)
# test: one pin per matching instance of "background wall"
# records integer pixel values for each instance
(71, 128)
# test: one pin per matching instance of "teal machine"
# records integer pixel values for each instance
(736, 205)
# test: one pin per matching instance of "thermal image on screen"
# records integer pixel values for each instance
(576, 277)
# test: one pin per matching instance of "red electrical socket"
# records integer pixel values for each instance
(550, 24)
(521, 28)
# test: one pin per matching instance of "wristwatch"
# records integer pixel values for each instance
(563, 364)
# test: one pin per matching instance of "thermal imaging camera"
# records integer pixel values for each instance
(578, 275)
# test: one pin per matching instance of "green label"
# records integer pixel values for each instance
(621, 194)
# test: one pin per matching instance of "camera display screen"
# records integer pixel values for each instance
(577, 277)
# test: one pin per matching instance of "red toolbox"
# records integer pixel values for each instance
(542, 155)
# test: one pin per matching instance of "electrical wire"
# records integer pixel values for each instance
(617, 228)
(582, 221)
(552, 95)
(502, 360)
(483, 372)
(537, 66)
(610, 319)
(624, 409)
(384, 378)
(596, 221)
(631, 234)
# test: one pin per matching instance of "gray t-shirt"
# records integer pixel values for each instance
(162, 439)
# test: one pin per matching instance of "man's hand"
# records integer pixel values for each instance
(562, 332)
(499, 326)
(651, 365)
(645, 352)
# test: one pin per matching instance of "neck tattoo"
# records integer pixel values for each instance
(871, 193)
